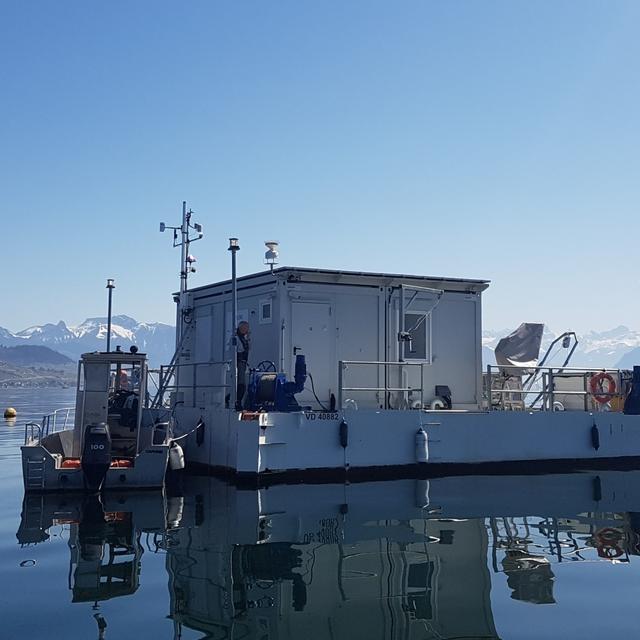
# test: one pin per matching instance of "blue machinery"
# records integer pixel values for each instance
(271, 391)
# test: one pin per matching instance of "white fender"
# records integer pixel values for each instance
(176, 457)
(175, 508)
(422, 446)
(422, 494)
(437, 404)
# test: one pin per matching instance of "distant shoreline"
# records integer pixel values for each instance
(15, 377)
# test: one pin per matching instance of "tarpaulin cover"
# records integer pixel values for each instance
(520, 348)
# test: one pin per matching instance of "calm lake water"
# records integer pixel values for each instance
(480, 557)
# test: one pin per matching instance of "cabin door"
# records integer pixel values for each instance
(313, 335)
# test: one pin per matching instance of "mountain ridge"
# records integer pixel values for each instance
(612, 348)
(615, 347)
(156, 339)
(25, 355)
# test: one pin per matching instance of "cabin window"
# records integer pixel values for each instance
(418, 325)
(266, 312)
(96, 376)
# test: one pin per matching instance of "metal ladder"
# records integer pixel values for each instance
(35, 473)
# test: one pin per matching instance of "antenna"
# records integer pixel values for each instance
(186, 259)
(271, 254)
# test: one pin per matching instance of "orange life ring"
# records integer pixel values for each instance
(595, 384)
(608, 543)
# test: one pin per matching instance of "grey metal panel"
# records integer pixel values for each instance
(455, 348)
(313, 334)
(360, 336)
(341, 277)
(363, 330)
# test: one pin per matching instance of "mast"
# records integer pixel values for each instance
(186, 262)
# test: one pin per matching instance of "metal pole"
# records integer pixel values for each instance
(110, 287)
(176, 299)
(234, 248)
(402, 327)
(184, 231)
(109, 321)
(183, 249)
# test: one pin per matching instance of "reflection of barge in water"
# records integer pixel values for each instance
(398, 559)
(406, 558)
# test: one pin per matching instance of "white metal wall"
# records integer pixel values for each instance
(333, 322)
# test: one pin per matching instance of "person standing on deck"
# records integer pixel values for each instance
(242, 357)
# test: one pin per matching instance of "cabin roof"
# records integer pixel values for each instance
(334, 276)
(123, 357)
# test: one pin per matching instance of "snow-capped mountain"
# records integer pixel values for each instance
(153, 338)
(618, 347)
(47, 334)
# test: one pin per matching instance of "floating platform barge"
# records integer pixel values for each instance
(371, 374)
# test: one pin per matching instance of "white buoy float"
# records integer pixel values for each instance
(10, 412)
(176, 457)
(422, 446)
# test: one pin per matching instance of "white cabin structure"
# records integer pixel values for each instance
(347, 325)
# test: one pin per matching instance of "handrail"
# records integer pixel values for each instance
(547, 394)
(34, 432)
(526, 369)
(343, 365)
(29, 437)
(193, 385)
(50, 421)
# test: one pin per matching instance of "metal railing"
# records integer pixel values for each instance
(169, 375)
(32, 433)
(404, 391)
(548, 540)
(504, 389)
(53, 422)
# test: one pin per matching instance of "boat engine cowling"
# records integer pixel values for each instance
(96, 455)
(271, 391)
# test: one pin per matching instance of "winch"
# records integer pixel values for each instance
(270, 390)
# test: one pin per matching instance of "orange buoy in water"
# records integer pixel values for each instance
(10, 412)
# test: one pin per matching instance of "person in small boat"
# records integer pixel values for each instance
(242, 357)
(118, 381)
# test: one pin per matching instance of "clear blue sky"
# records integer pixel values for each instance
(483, 139)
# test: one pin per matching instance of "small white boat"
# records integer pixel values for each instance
(114, 443)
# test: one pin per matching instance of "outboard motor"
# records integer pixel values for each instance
(96, 455)
(92, 529)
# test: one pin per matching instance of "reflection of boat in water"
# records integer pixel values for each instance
(401, 559)
(104, 537)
